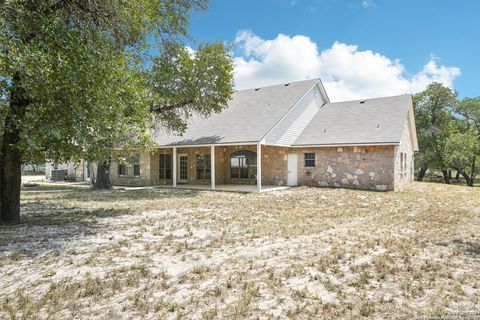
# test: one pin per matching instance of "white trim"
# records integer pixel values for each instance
(178, 156)
(174, 168)
(289, 110)
(347, 145)
(323, 91)
(292, 164)
(412, 125)
(212, 166)
(259, 167)
(252, 143)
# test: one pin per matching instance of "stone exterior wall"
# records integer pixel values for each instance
(369, 168)
(129, 179)
(404, 168)
(275, 165)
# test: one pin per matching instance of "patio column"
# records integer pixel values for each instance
(259, 167)
(174, 167)
(212, 166)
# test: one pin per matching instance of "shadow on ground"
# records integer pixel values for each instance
(468, 247)
(51, 222)
(130, 195)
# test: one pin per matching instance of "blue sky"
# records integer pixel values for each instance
(360, 48)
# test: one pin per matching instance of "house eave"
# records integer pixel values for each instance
(360, 144)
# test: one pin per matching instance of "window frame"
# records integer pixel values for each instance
(135, 162)
(245, 167)
(307, 162)
(122, 170)
(165, 171)
(132, 161)
(204, 171)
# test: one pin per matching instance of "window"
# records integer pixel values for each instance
(135, 162)
(309, 159)
(122, 170)
(403, 164)
(243, 165)
(203, 166)
(165, 166)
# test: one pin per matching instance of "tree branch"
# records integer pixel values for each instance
(169, 107)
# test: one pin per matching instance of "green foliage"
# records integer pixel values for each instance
(461, 149)
(433, 116)
(448, 131)
(82, 66)
(469, 109)
(186, 82)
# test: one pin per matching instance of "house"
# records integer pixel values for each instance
(285, 135)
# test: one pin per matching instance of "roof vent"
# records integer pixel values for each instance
(362, 102)
(256, 89)
(378, 126)
(324, 130)
(286, 84)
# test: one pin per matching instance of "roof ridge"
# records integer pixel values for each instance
(370, 99)
(279, 84)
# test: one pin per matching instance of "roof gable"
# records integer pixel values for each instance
(373, 121)
(250, 115)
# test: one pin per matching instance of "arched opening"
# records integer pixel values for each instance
(243, 165)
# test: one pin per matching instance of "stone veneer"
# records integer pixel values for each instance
(129, 179)
(404, 176)
(369, 167)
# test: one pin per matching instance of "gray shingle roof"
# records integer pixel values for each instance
(249, 117)
(376, 121)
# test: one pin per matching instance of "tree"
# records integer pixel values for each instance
(463, 147)
(73, 81)
(461, 151)
(433, 115)
(180, 84)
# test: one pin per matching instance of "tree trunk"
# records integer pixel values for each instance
(421, 173)
(473, 170)
(449, 174)
(457, 176)
(102, 180)
(11, 180)
(11, 156)
(446, 178)
(468, 179)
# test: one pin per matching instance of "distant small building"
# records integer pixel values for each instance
(285, 135)
(67, 171)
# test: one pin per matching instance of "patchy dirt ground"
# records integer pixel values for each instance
(300, 253)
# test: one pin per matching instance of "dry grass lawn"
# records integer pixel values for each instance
(300, 253)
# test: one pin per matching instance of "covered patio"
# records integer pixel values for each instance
(253, 167)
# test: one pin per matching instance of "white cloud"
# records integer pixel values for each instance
(346, 72)
(368, 3)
